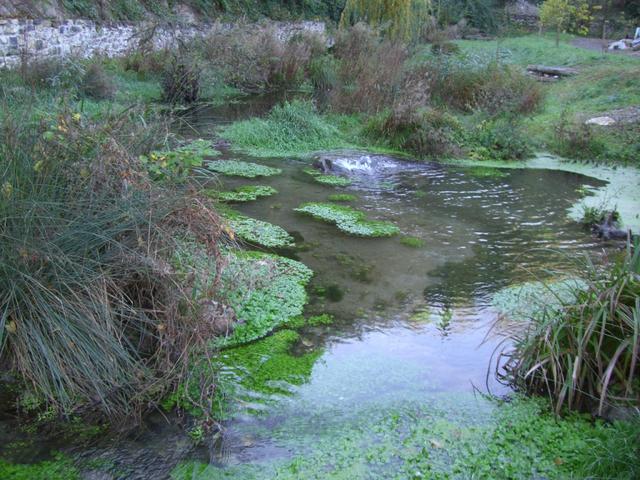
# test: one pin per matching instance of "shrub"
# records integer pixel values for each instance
(492, 88)
(54, 73)
(426, 132)
(91, 315)
(499, 139)
(256, 61)
(585, 355)
(146, 62)
(96, 84)
(370, 71)
(574, 139)
(181, 81)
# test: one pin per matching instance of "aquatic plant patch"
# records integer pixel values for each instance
(237, 168)
(443, 439)
(268, 366)
(246, 193)
(342, 197)
(333, 180)
(259, 232)
(178, 162)
(349, 220)
(264, 290)
(413, 242)
(531, 300)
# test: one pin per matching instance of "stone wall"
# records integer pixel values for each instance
(40, 39)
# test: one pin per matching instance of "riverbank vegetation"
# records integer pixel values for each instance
(125, 286)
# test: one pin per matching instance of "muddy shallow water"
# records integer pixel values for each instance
(410, 334)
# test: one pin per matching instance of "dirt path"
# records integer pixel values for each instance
(597, 45)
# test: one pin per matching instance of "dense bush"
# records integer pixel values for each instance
(96, 84)
(499, 138)
(574, 139)
(426, 132)
(370, 70)
(256, 61)
(181, 80)
(490, 87)
(54, 73)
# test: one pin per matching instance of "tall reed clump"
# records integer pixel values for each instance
(586, 356)
(92, 315)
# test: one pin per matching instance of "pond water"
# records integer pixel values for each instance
(412, 323)
(410, 346)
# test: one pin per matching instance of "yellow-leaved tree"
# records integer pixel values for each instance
(565, 15)
(400, 19)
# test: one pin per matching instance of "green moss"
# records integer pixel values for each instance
(413, 242)
(60, 468)
(348, 220)
(246, 193)
(290, 129)
(259, 232)
(242, 169)
(265, 292)
(342, 197)
(267, 366)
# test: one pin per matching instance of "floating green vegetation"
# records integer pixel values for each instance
(332, 180)
(348, 220)
(264, 290)
(246, 193)
(342, 197)
(60, 468)
(180, 161)
(259, 232)
(413, 242)
(290, 129)
(299, 322)
(530, 300)
(519, 440)
(242, 169)
(267, 366)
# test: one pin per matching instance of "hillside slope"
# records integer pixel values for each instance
(170, 10)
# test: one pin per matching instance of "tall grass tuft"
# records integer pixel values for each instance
(92, 316)
(587, 355)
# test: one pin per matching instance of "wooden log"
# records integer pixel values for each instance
(555, 71)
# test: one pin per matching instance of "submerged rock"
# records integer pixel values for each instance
(353, 162)
(609, 230)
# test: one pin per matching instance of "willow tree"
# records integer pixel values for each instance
(401, 19)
